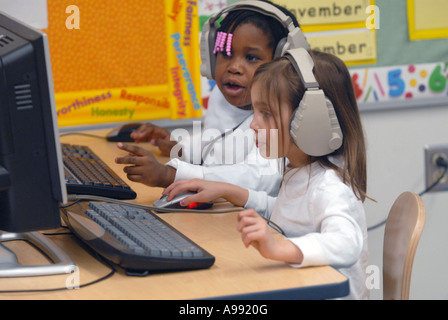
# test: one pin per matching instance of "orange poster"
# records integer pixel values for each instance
(117, 60)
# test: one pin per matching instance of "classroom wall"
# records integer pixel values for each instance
(395, 143)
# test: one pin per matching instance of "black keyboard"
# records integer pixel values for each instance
(86, 173)
(134, 238)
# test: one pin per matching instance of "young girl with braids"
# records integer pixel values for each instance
(246, 40)
(320, 203)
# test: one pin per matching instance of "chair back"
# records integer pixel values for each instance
(402, 233)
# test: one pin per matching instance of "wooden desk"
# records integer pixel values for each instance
(238, 272)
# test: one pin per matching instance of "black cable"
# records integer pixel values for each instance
(107, 276)
(377, 225)
(110, 274)
(81, 134)
(59, 233)
(70, 204)
(86, 197)
(275, 226)
(156, 210)
(440, 162)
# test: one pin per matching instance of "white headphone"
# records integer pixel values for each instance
(295, 38)
(314, 126)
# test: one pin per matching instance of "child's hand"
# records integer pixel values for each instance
(207, 191)
(256, 232)
(157, 136)
(144, 167)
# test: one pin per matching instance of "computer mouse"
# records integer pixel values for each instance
(175, 202)
(123, 133)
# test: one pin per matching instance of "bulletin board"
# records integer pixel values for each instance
(427, 19)
(345, 28)
(399, 70)
(407, 65)
(125, 60)
(409, 72)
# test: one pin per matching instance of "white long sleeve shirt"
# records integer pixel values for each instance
(322, 216)
(232, 158)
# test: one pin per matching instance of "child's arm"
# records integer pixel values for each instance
(262, 174)
(144, 167)
(208, 191)
(256, 232)
(157, 136)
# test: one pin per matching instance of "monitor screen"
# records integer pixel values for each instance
(32, 184)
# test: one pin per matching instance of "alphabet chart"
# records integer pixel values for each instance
(413, 81)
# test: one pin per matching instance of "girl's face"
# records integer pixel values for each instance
(271, 126)
(233, 74)
(268, 123)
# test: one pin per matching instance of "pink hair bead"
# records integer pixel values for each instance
(220, 41)
(229, 44)
(223, 41)
(217, 42)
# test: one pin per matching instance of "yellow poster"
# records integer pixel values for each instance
(352, 46)
(427, 19)
(328, 14)
(345, 28)
(124, 60)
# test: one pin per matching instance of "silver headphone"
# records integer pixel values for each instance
(314, 126)
(295, 38)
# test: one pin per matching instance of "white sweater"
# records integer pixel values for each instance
(234, 158)
(323, 217)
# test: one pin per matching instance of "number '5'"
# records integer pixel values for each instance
(396, 84)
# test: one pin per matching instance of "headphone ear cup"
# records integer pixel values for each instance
(281, 47)
(207, 43)
(314, 127)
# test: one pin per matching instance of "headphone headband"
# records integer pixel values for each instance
(314, 125)
(260, 7)
(303, 64)
(295, 38)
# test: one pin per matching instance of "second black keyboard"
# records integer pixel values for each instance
(86, 173)
(134, 238)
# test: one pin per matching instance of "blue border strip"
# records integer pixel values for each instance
(319, 292)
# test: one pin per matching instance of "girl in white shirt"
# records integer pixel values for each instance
(320, 204)
(251, 39)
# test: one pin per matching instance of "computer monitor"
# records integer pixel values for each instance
(32, 183)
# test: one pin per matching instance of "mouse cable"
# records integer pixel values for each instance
(76, 197)
(107, 276)
(81, 134)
